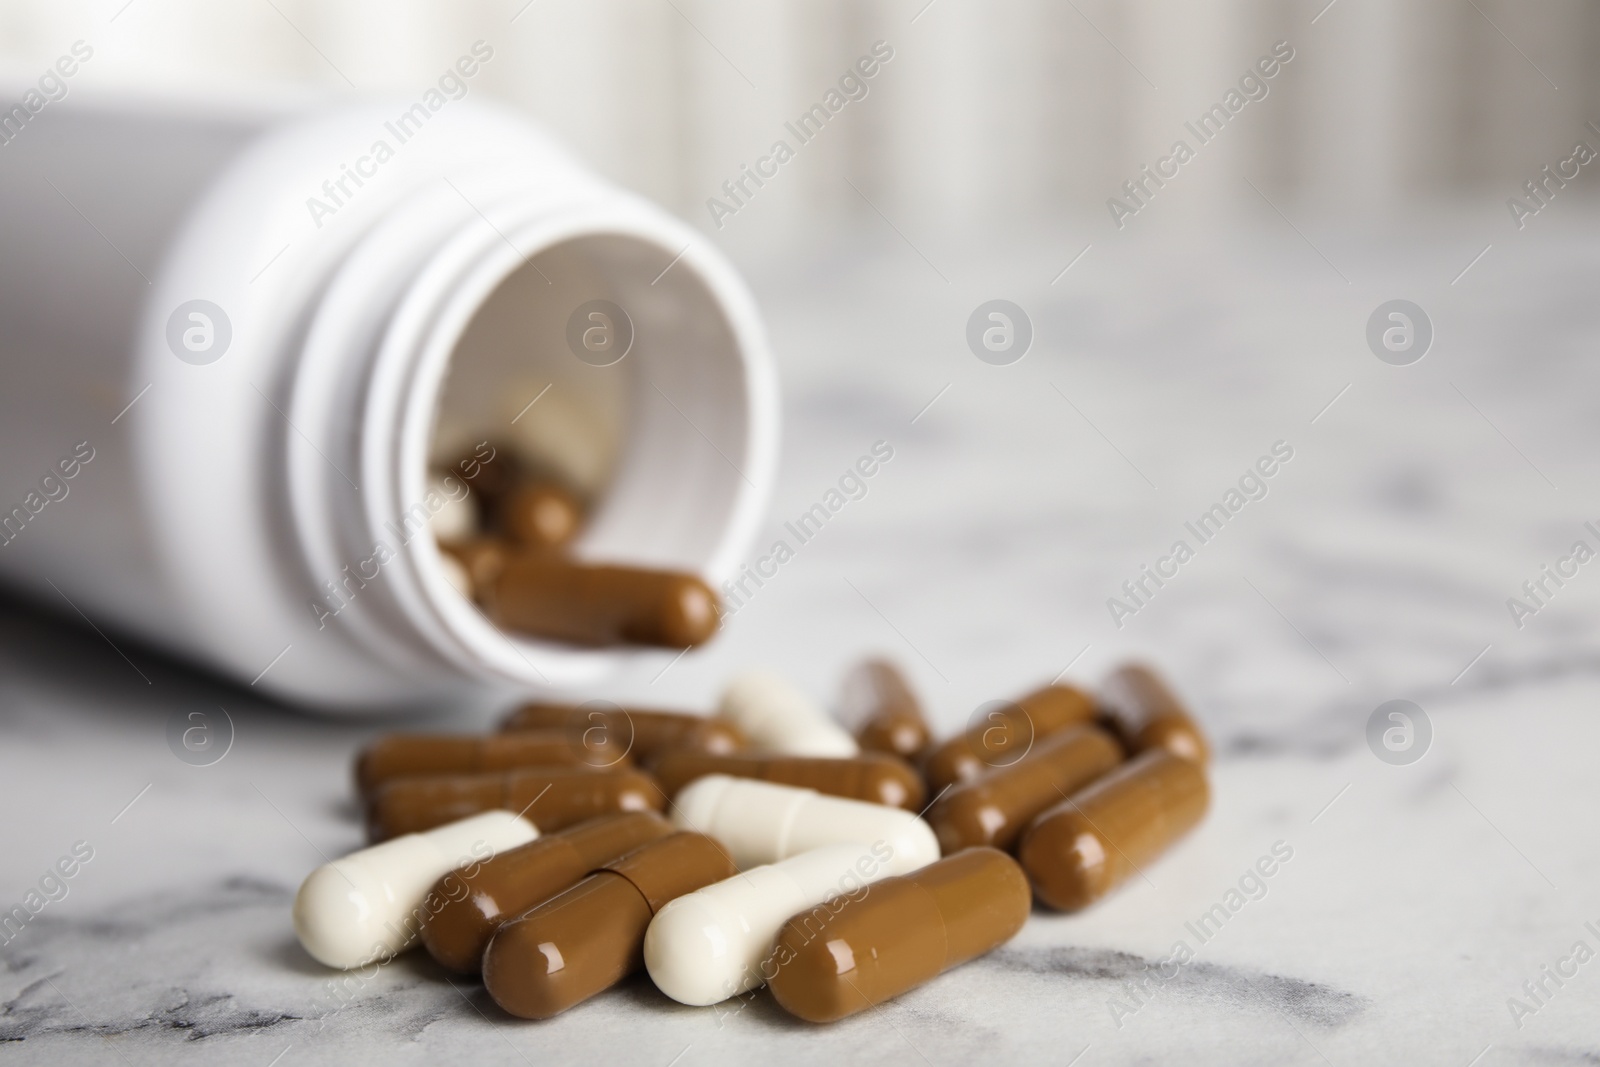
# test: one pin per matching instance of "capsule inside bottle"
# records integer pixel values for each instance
(480, 557)
(541, 515)
(599, 481)
(493, 470)
(596, 604)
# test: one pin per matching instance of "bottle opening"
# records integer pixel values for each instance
(615, 370)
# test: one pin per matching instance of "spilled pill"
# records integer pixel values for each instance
(1140, 708)
(370, 905)
(760, 823)
(873, 776)
(832, 962)
(1005, 733)
(643, 733)
(410, 755)
(994, 808)
(465, 907)
(553, 797)
(877, 703)
(588, 938)
(590, 604)
(778, 718)
(1082, 848)
(717, 942)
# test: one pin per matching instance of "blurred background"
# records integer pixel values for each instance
(990, 114)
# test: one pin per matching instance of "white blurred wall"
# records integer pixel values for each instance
(991, 112)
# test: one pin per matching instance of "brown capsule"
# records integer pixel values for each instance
(492, 481)
(495, 476)
(551, 797)
(466, 906)
(1082, 848)
(589, 604)
(879, 706)
(541, 515)
(875, 777)
(1141, 710)
(644, 733)
(481, 557)
(994, 808)
(1005, 733)
(590, 937)
(414, 755)
(853, 953)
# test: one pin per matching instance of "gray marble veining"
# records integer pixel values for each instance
(1419, 899)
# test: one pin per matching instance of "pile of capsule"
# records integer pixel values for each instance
(504, 547)
(791, 856)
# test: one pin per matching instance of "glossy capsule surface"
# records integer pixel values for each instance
(370, 904)
(877, 703)
(833, 962)
(994, 808)
(1145, 713)
(872, 776)
(781, 720)
(642, 732)
(600, 605)
(1077, 851)
(590, 937)
(466, 906)
(552, 797)
(761, 822)
(716, 942)
(412, 755)
(1005, 734)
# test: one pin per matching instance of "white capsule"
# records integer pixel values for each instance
(717, 942)
(369, 905)
(457, 518)
(455, 572)
(761, 822)
(777, 717)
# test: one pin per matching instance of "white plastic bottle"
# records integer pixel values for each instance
(246, 331)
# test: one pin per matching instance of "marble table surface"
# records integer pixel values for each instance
(1416, 899)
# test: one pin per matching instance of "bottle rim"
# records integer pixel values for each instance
(408, 377)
